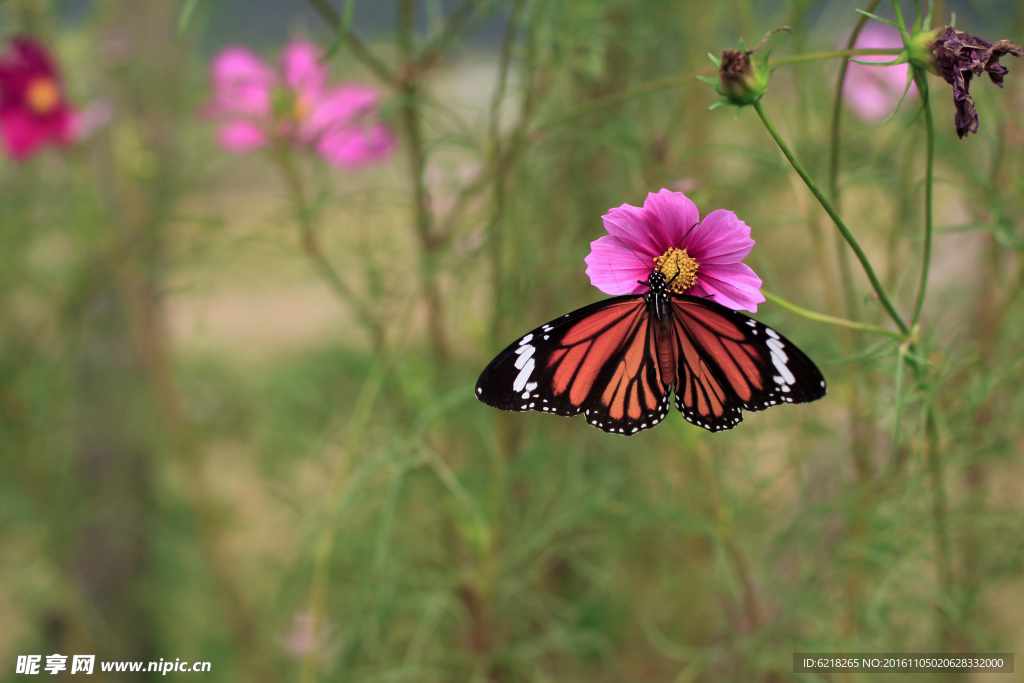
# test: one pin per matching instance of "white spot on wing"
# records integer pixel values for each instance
(780, 365)
(771, 333)
(776, 346)
(526, 339)
(524, 376)
(524, 355)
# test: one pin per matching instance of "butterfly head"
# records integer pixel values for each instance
(656, 281)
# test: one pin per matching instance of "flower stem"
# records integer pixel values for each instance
(833, 164)
(831, 320)
(929, 124)
(430, 244)
(861, 256)
(501, 169)
(835, 54)
(688, 78)
(353, 43)
(311, 245)
(942, 549)
(357, 424)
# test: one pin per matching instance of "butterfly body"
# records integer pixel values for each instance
(618, 360)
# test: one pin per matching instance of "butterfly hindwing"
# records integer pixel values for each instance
(598, 361)
(729, 363)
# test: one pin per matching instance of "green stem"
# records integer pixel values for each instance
(828, 319)
(353, 43)
(311, 245)
(922, 86)
(453, 26)
(317, 605)
(825, 204)
(942, 547)
(501, 169)
(423, 217)
(835, 54)
(899, 21)
(688, 78)
(837, 108)
(845, 276)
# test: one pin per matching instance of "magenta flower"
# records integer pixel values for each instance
(259, 106)
(34, 110)
(700, 258)
(874, 91)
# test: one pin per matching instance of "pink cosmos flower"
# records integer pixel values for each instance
(873, 91)
(701, 258)
(259, 105)
(34, 110)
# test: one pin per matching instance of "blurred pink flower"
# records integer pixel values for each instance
(258, 105)
(34, 110)
(873, 91)
(701, 258)
(686, 184)
(302, 639)
(93, 117)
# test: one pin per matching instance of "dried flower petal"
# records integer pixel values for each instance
(959, 57)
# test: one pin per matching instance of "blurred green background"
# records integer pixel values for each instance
(205, 454)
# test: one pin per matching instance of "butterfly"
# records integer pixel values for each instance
(617, 361)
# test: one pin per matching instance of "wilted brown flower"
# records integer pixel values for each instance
(960, 57)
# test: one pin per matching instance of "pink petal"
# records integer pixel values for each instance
(24, 134)
(352, 148)
(303, 73)
(675, 216)
(346, 129)
(636, 228)
(241, 137)
(242, 84)
(720, 238)
(613, 269)
(733, 285)
(341, 106)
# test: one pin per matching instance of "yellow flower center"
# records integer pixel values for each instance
(679, 269)
(42, 95)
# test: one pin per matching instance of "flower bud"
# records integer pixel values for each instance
(739, 80)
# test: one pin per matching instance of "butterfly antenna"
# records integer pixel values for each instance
(685, 234)
(632, 252)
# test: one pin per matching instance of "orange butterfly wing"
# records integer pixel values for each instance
(600, 361)
(729, 363)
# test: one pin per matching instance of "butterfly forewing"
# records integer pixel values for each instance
(598, 361)
(729, 363)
